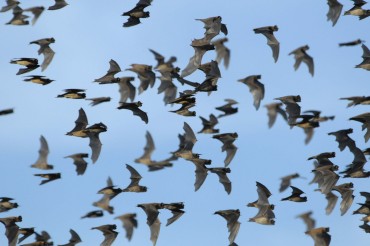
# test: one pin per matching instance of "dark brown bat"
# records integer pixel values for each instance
(365, 64)
(228, 109)
(29, 63)
(93, 214)
(58, 5)
(48, 177)
(295, 196)
(109, 78)
(6, 204)
(73, 94)
(365, 120)
(42, 80)
(6, 111)
(351, 43)
(135, 179)
(134, 107)
(80, 125)
(137, 13)
(208, 125)
(25, 232)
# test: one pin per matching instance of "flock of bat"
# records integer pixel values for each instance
(325, 171)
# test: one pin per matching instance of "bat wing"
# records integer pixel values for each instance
(233, 229)
(230, 153)
(273, 43)
(293, 110)
(113, 67)
(309, 134)
(12, 232)
(134, 173)
(332, 201)
(158, 57)
(154, 231)
(347, 200)
(48, 57)
(285, 183)
(200, 176)
(132, 21)
(176, 214)
(194, 62)
(309, 62)
(95, 145)
(190, 138)
(75, 238)
(129, 223)
(81, 122)
(335, 9)
(141, 114)
(263, 194)
(109, 237)
(43, 154)
(126, 90)
(224, 180)
(366, 51)
(258, 91)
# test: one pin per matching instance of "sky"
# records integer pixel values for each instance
(89, 33)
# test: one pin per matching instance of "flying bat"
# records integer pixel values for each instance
(268, 32)
(129, 222)
(29, 63)
(42, 161)
(231, 216)
(134, 107)
(45, 50)
(48, 177)
(58, 5)
(300, 55)
(108, 78)
(109, 233)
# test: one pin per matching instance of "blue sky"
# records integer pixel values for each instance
(89, 33)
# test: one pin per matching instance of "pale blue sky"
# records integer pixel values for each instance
(89, 33)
